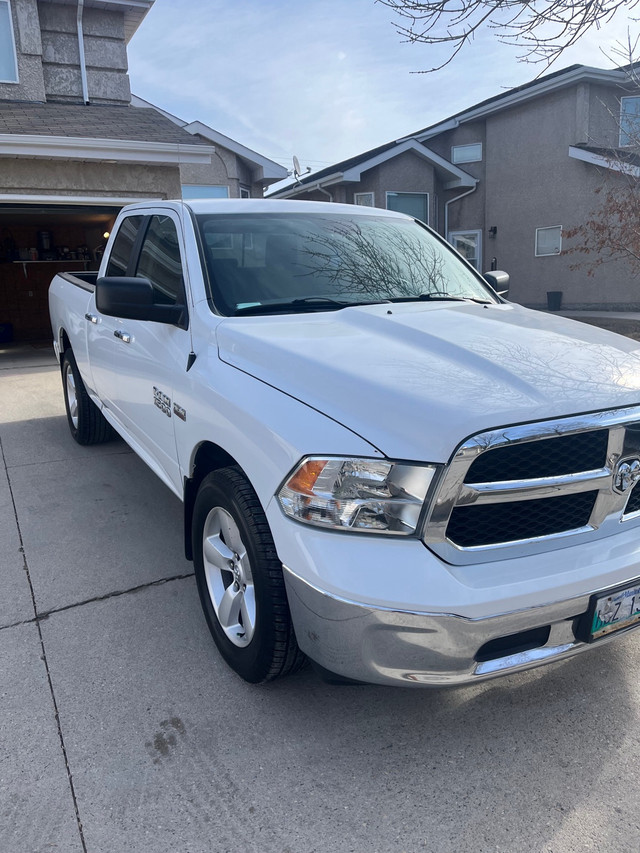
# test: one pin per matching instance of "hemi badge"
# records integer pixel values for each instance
(179, 412)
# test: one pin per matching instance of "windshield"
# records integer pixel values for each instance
(276, 263)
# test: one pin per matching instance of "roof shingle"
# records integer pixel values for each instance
(92, 121)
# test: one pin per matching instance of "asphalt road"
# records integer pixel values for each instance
(123, 732)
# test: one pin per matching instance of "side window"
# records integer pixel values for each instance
(160, 261)
(123, 245)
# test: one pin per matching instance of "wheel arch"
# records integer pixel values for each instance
(63, 343)
(207, 457)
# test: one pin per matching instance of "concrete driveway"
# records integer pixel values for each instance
(123, 732)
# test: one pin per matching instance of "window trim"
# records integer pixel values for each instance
(538, 254)
(629, 142)
(358, 195)
(410, 192)
(136, 252)
(12, 36)
(477, 231)
(468, 159)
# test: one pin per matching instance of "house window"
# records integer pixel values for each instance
(8, 58)
(629, 121)
(466, 153)
(245, 192)
(365, 199)
(548, 241)
(413, 204)
(469, 245)
(204, 191)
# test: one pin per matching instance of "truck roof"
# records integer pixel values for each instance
(261, 205)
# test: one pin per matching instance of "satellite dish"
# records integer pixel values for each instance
(297, 169)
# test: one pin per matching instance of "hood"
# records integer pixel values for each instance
(415, 380)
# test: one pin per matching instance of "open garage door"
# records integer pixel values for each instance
(36, 242)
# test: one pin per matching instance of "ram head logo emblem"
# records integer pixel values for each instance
(626, 475)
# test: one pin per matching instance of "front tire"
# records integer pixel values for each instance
(240, 579)
(86, 421)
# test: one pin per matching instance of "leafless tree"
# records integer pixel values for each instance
(542, 28)
(348, 259)
(612, 231)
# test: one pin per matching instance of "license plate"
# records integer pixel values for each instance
(614, 610)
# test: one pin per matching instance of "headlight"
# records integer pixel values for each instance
(367, 495)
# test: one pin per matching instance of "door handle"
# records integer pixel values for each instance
(125, 337)
(92, 318)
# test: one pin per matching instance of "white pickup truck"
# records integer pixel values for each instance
(385, 466)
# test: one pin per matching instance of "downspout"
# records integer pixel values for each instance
(446, 209)
(83, 64)
(326, 192)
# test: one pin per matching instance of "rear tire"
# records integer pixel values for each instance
(240, 580)
(86, 421)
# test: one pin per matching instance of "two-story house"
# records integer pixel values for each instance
(505, 180)
(75, 146)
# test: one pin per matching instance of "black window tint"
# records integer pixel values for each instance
(160, 261)
(121, 251)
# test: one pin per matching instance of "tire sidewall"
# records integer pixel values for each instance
(253, 661)
(69, 366)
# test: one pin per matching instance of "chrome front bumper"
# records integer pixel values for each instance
(381, 646)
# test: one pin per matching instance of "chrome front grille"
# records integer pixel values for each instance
(522, 490)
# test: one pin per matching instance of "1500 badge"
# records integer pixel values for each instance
(162, 401)
(164, 404)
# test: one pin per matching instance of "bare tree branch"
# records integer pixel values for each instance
(543, 28)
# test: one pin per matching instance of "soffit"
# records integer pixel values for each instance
(134, 10)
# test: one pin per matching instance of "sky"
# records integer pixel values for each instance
(321, 79)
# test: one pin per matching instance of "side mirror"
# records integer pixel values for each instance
(499, 281)
(133, 299)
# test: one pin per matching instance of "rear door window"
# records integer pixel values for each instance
(123, 245)
(160, 261)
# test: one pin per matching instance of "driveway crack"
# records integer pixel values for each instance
(44, 659)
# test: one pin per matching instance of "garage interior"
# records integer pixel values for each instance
(36, 242)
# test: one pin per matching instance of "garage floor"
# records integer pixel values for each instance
(122, 730)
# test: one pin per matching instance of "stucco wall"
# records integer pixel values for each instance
(604, 114)
(68, 177)
(533, 183)
(105, 54)
(225, 169)
(26, 30)
(406, 173)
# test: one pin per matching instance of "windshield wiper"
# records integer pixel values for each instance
(312, 303)
(440, 297)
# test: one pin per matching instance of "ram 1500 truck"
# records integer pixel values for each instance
(385, 466)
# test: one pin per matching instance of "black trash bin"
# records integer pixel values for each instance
(554, 300)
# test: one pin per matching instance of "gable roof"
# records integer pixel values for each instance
(267, 170)
(453, 176)
(520, 94)
(535, 88)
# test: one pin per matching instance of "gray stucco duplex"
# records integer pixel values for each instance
(505, 180)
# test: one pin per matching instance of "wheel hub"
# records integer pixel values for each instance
(229, 578)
